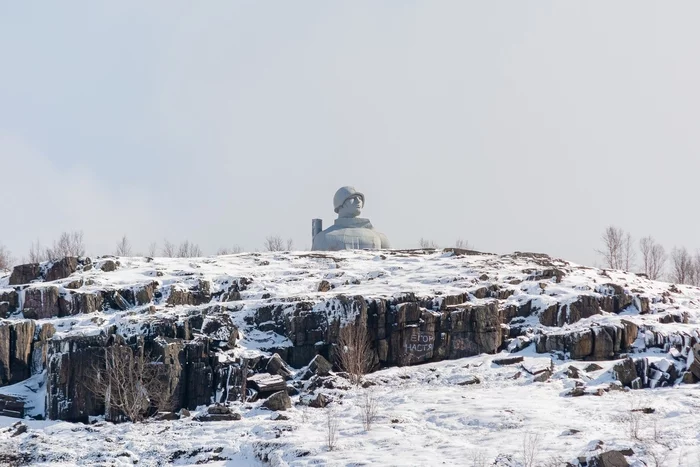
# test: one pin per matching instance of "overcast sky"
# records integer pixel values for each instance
(514, 125)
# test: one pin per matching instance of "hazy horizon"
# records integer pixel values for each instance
(529, 127)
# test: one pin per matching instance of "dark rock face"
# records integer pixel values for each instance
(41, 303)
(62, 269)
(69, 362)
(25, 273)
(9, 303)
(625, 372)
(596, 343)
(16, 340)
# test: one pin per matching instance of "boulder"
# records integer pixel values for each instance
(320, 366)
(508, 360)
(266, 384)
(625, 372)
(62, 269)
(320, 401)
(324, 286)
(693, 362)
(278, 401)
(25, 273)
(109, 265)
(276, 366)
(41, 302)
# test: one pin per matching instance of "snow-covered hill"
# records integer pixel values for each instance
(470, 308)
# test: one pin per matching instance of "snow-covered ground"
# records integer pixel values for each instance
(424, 417)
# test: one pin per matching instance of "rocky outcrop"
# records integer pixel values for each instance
(9, 303)
(16, 340)
(61, 269)
(595, 343)
(41, 302)
(25, 273)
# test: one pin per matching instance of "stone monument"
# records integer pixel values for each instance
(348, 232)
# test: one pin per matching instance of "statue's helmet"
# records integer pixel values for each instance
(343, 194)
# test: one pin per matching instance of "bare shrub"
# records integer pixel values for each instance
(129, 382)
(5, 258)
(633, 425)
(653, 257)
(478, 456)
(68, 244)
(152, 249)
(123, 247)
(188, 250)
(463, 244)
(235, 249)
(353, 353)
(657, 455)
(369, 409)
(427, 244)
(332, 423)
(168, 249)
(276, 243)
(531, 449)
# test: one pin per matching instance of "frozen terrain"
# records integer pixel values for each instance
(433, 413)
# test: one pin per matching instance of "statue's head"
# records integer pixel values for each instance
(348, 202)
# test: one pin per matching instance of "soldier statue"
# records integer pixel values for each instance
(349, 232)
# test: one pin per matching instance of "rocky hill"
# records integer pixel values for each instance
(215, 322)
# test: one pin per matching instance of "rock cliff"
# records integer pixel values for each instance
(213, 321)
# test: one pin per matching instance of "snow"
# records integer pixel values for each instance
(425, 418)
(425, 415)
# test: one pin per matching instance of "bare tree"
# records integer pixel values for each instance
(682, 266)
(353, 353)
(37, 253)
(531, 449)
(276, 243)
(152, 249)
(235, 249)
(462, 244)
(68, 244)
(188, 249)
(129, 382)
(618, 250)
(653, 257)
(427, 244)
(369, 408)
(168, 249)
(5, 258)
(331, 428)
(628, 253)
(123, 247)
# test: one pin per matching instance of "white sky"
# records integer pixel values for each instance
(515, 125)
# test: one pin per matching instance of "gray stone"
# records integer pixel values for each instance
(25, 273)
(278, 401)
(320, 401)
(276, 366)
(508, 360)
(320, 366)
(109, 265)
(62, 268)
(625, 372)
(349, 231)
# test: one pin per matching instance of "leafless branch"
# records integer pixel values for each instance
(123, 247)
(129, 382)
(353, 352)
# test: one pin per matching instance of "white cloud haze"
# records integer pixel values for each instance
(519, 126)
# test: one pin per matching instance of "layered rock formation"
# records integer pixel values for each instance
(213, 321)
